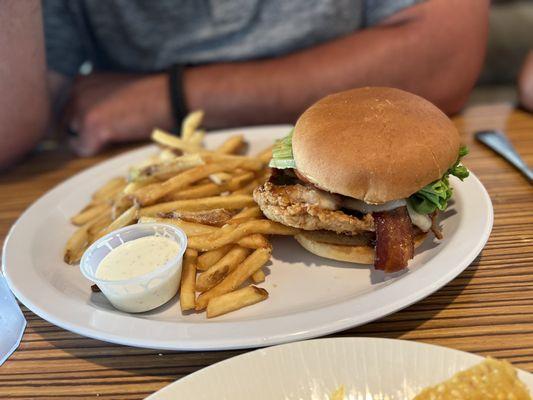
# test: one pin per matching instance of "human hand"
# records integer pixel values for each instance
(110, 107)
(525, 83)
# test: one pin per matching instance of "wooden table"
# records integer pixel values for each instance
(488, 309)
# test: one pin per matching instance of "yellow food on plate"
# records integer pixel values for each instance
(188, 277)
(235, 278)
(337, 394)
(490, 380)
(235, 300)
(206, 280)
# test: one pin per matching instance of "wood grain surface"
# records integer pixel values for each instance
(488, 309)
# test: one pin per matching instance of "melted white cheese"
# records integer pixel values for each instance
(319, 198)
(365, 208)
(423, 221)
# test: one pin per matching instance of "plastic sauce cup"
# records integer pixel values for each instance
(144, 292)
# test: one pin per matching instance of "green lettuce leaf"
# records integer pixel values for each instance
(282, 157)
(436, 195)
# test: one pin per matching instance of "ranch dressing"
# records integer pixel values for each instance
(137, 257)
(138, 267)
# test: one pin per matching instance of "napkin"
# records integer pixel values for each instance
(12, 321)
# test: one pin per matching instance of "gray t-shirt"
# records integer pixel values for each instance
(151, 35)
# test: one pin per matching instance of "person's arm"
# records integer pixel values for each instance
(24, 106)
(525, 83)
(435, 49)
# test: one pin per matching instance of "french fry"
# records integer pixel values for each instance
(193, 229)
(232, 145)
(151, 193)
(188, 278)
(121, 204)
(233, 233)
(249, 212)
(166, 139)
(198, 191)
(190, 228)
(235, 300)
(89, 213)
(248, 189)
(236, 278)
(254, 241)
(231, 202)
(128, 217)
(258, 276)
(239, 180)
(211, 189)
(76, 245)
(110, 189)
(238, 221)
(190, 124)
(133, 186)
(197, 137)
(202, 182)
(99, 223)
(209, 258)
(215, 217)
(244, 162)
(165, 170)
(166, 155)
(220, 178)
(206, 280)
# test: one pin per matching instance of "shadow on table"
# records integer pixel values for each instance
(165, 366)
(409, 319)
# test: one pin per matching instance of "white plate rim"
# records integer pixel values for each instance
(309, 345)
(330, 325)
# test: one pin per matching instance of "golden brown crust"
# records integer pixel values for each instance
(490, 380)
(374, 144)
(354, 254)
(279, 204)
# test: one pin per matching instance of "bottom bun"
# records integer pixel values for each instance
(354, 254)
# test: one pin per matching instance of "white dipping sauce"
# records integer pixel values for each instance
(137, 257)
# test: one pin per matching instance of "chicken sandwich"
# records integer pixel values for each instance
(364, 174)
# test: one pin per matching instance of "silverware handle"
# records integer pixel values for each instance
(499, 143)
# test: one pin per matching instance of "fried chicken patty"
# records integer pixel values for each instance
(306, 207)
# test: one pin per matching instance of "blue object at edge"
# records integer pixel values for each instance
(12, 321)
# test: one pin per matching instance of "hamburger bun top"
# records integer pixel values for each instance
(375, 144)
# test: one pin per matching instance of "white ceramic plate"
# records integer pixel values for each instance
(309, 296)
(368, 368)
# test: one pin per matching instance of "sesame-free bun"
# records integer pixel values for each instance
(375, 144)
(362, 254)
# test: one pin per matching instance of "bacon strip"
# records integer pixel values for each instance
(394, 239)
(435, 228)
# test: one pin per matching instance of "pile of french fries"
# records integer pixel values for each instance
(206, 193)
